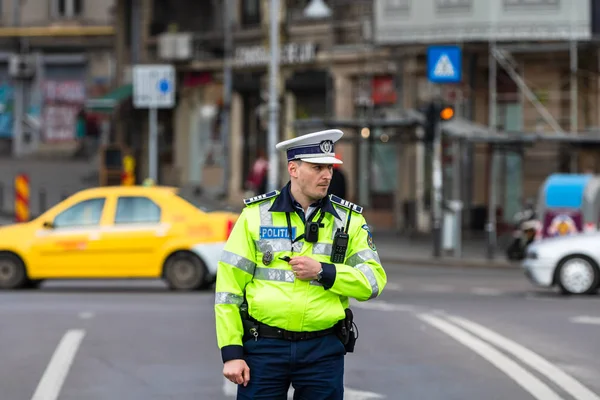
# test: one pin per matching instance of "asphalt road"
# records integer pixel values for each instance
(434, 334)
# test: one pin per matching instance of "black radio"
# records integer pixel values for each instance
(339, 247)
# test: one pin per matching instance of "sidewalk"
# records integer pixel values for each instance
(394, 248)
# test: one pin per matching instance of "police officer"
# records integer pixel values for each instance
(292, 261)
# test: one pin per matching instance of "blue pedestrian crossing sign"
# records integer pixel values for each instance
(444, 64)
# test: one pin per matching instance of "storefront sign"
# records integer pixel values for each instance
(383, 91)
(290, 53)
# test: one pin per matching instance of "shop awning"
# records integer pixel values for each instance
(107, 103)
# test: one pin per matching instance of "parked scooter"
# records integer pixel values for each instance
(526, 229)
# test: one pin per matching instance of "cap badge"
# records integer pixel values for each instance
(326, 146)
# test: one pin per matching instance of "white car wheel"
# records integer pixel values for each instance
(578, 275)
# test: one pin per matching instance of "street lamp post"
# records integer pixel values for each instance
(315, 10)
(273, 177)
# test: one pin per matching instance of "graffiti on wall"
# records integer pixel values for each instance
(6, 110)
(62, 100)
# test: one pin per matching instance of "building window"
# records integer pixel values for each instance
(67, 8)
(250, 12)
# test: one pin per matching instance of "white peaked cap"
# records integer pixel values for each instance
(316, 147)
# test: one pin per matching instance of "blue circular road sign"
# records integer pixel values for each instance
(164, 86)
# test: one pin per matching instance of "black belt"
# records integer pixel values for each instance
(270, 332)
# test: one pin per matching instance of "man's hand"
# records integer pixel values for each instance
(305, 268)
(237, 371)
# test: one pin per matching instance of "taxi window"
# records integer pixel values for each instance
(132, 210)
(82, 214)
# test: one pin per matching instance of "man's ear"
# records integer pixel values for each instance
(293, 169)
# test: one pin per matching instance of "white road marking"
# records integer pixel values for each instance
(86, 315)
(56, 371)
(437, 288)
(381, 305)
(484, 291)
(535, 361)
(230, 390)
(521, 376)
(584, 319)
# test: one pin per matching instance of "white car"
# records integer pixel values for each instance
(569, 262)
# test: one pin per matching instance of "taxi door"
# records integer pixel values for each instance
(67, 246)
(134, 236)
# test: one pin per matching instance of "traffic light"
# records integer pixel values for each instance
(434, 114)
(447, 113)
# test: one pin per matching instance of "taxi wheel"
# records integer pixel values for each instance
(12, 272)
(578, 275)
(184, 271)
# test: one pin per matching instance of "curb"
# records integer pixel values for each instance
(450, 262)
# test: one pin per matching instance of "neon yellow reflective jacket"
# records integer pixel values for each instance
(274, 296)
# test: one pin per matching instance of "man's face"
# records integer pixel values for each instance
(312, 179)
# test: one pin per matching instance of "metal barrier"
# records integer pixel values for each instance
(22, 196)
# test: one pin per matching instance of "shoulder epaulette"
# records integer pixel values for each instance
(346, 204)
(260, 197)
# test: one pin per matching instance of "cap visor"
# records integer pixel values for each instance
(323, 160)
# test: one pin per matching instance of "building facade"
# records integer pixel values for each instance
(368, 60)
(55, 54)
(528, 66)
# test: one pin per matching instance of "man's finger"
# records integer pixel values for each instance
(299, 259)
(239, 378)
(246, 374)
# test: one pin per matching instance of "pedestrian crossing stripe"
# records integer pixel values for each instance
(444, 68)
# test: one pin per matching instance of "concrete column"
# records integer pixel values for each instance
(183, 114)
(289, 102)
(120, 45)
(146, 17)
(236, 147)
(344, 109)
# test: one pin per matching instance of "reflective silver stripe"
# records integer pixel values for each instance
(228, 298)
(368, 272)
(238, 261)
(339, 223)
(264, 245)
(266, 218)
(273, 274)
(278, 245)
(315, 283)
(322, 249)
(361, 257)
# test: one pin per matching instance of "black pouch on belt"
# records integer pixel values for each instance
(347, 332)
(248, 323)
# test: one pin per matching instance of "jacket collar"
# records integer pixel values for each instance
(285, 203)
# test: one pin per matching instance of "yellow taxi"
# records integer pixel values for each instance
(117, 232)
